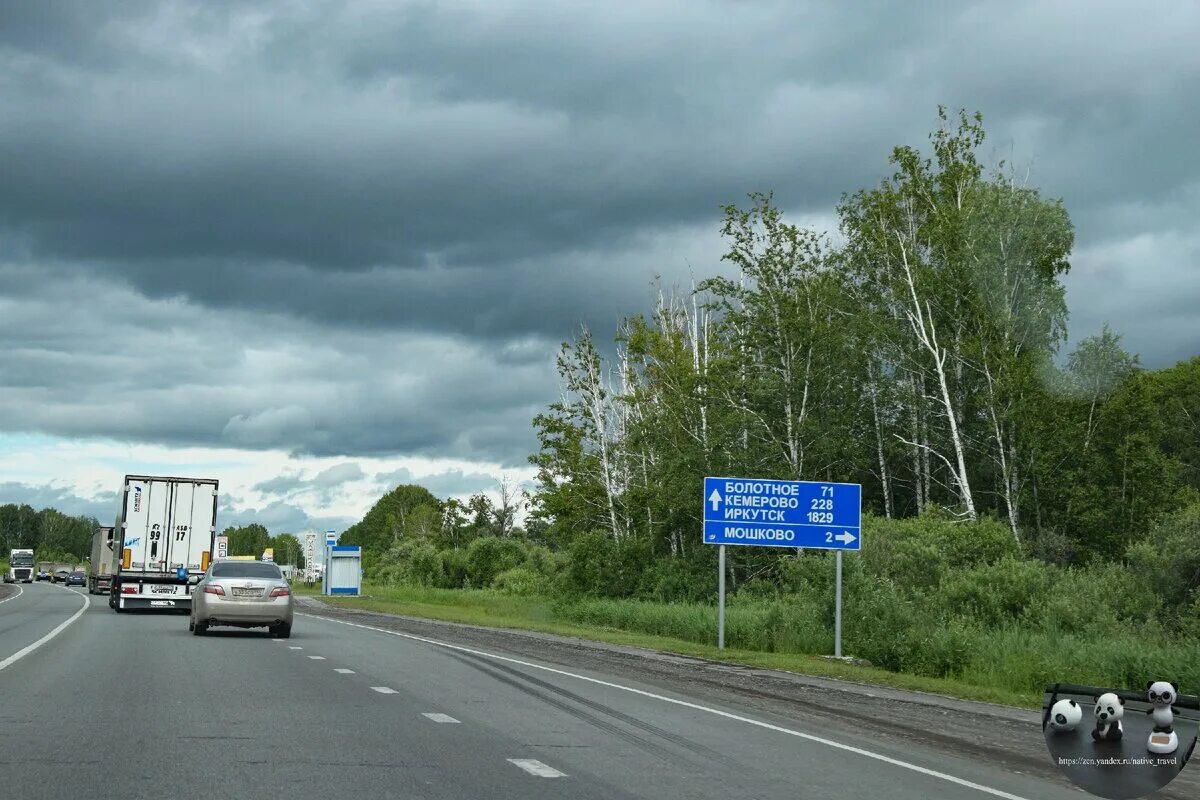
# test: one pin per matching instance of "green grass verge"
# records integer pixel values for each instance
(493, 609)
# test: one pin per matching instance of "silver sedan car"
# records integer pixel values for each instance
(242, 594)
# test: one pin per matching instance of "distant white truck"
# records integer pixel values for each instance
(166, 528)
(20, 566)
(105, 557)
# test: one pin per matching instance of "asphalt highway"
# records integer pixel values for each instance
(94, 703)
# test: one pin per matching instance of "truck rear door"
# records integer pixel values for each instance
(146, 504)
(191, 526)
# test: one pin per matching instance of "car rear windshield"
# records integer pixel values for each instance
(246, 569)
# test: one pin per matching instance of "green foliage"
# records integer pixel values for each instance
(49, 531)
(1168, 558)
(999, 593)
(521, 581)
(600, 566)
(248, 540)
(488, 556)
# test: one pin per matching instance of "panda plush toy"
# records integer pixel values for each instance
(1065, 715)
(1161, 695)
(1108, 710)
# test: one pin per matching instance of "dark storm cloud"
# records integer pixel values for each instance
(89, 359)
(361, 229)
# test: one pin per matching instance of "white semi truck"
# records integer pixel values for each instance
(20, 566)
(165, 528)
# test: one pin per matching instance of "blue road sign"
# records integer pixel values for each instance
(769, 513)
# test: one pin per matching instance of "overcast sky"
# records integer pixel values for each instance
(316, 249)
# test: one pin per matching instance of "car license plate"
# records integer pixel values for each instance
(239, 592)
(162, 589)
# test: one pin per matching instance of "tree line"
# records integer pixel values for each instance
(917, 352)
(53, 535)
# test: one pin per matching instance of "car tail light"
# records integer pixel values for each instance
(214, 588)
(280, 591)
(128, 590)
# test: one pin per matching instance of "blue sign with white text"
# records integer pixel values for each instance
(769, 513)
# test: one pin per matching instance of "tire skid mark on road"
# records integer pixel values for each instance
(551, 699)
(896, 762)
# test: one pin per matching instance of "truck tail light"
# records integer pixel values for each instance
(280, 591)
(128, 590)
(126, 558)
(214, 588)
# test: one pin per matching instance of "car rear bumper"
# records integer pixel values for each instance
(215, 610)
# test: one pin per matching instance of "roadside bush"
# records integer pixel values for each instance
(677, 579)
(996, 593)
(521, 581)
(1094, 600)
(598, 565)
(455, 569)
(488, 556)
(424, 565)
(544, 561)
(1169, 557)
(916, 553)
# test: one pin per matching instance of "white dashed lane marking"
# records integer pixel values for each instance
(343, 671)
(317, 658)
(535, 767)
(440, 718)
(295, 647)
(384, 689)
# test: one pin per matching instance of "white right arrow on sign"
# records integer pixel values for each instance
(845, 537)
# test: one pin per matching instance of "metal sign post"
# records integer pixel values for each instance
(761, 512)
(837, 609)
(721, 599)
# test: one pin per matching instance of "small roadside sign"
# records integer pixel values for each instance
(221, 546)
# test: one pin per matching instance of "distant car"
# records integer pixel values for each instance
(60, 576)
(43, 575)
(77, 578)
(242, 594)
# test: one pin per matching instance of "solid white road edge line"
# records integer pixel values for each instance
(535, 767)
(434, 717)
(20, 592)
(696, 707)
(24, 651)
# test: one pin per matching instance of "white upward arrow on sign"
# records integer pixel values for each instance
(846, 536)
(714, 498)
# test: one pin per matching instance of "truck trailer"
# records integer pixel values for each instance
(165, 528)
(105, 555)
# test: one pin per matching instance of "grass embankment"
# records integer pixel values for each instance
(683, 628)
